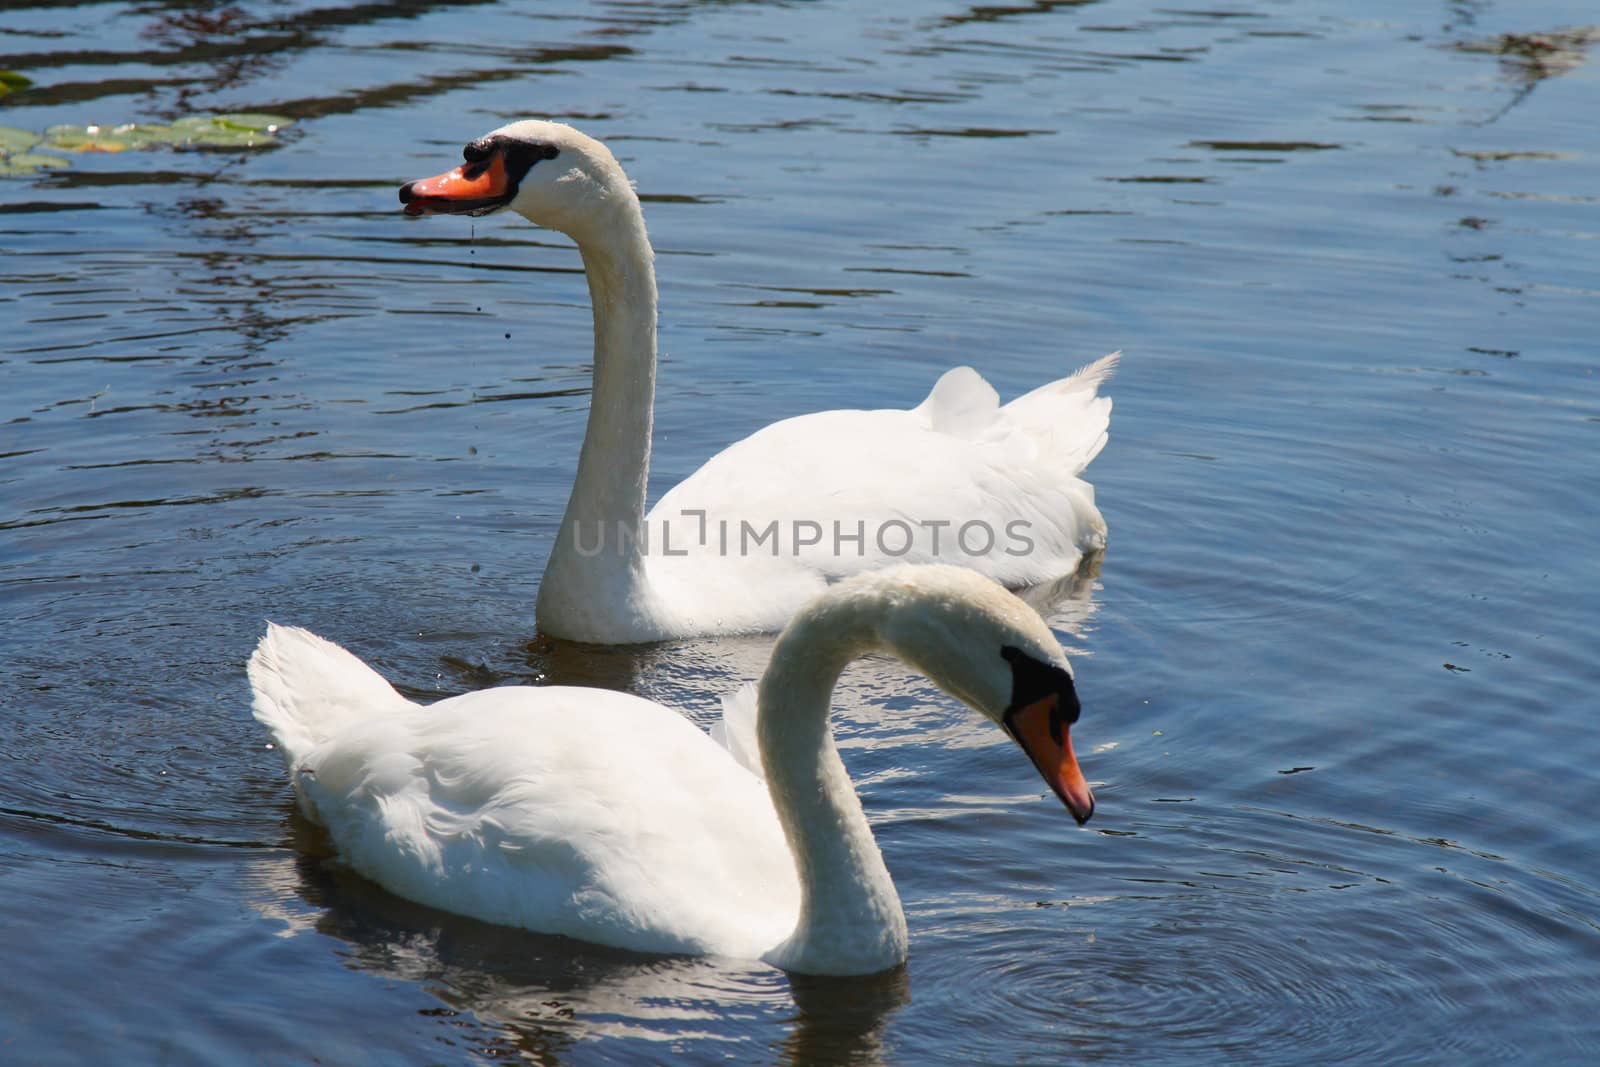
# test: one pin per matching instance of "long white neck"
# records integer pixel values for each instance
(850, 921)
(596, 561)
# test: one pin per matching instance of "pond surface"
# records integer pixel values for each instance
(1338, 663)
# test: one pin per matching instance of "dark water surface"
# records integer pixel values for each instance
(1339, 662)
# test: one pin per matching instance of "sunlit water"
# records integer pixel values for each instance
(1338, 663)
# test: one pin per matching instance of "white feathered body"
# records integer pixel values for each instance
(555, 809)
(770, 521)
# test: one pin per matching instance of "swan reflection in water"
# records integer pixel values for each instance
(540, 997)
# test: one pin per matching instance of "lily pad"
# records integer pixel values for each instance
(251, 120)
(15, 140)
(25, 164)
(223, 137)
(206, 131)
(239, 130)
(86, 139)
(11, 81)
(141, 135)
(194, 122)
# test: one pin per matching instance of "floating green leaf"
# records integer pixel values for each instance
(250, 120)
(140, 135)
(194, 122)
(86, 139)
(11, 81)
(207, 131)
(26, 164)
(239, 130)
(223, 137)
(15, 140)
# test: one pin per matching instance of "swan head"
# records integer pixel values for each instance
(548, 172)
(984, 646)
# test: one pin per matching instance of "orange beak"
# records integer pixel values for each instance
(1045, 737)
(471, 187)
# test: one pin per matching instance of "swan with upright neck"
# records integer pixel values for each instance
(770, 521)
(613, 819)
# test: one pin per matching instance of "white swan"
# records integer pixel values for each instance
(613, 819)
(747, 539)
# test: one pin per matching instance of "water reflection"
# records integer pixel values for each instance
(194, 52)
(541, 998)
(1527, 59)
(235, 387)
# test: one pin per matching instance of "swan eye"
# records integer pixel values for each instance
(522, 155)
(1033, 681)
(1057, 722)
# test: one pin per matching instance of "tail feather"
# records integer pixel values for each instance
(306, 689)
(1068, 417)
(1093, 375)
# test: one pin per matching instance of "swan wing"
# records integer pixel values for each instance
(961, 404)
(574, 811)
(769, 521)
(736, 729)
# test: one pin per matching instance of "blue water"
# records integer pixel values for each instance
(1338, 662)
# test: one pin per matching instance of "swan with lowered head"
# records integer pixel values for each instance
(767, 523)
(613, 819)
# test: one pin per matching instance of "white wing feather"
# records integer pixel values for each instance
(769, 521)
(563, 810)
(736, 730)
